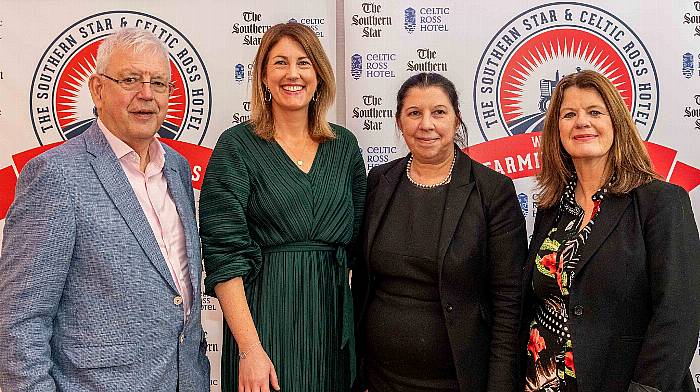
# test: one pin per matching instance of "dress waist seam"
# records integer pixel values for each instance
(301, 246)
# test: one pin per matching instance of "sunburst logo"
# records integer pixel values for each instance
(527, 57)
(60, 103)
(537, 65)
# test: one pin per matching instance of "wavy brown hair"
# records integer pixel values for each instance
(261, 111)
(628, 159)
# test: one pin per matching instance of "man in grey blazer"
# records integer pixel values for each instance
(100, 267)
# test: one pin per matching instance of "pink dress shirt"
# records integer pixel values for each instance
(151, 189)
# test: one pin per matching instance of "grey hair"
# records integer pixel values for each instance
(135, 38)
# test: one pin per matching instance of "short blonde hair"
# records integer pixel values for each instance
(261, 111)
(628, 159)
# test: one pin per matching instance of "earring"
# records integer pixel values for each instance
(267, 94)
(313, 97)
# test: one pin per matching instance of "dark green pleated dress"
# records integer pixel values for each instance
(289, 234)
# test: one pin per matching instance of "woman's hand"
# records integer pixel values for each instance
(256, 372)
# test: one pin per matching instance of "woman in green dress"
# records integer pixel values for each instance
(280, 209)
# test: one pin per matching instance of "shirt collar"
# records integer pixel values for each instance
(568, 198)
(121, 149)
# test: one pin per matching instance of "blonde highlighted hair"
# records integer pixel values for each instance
(261, 110)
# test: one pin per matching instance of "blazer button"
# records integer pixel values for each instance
(448, 308)
(578, 310)
(177, 300)
(182, 338)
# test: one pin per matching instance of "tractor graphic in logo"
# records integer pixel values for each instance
(546, 90)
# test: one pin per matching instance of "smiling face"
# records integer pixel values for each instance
(132, 116)
(585, 127)
(290, 76)
(428, 123)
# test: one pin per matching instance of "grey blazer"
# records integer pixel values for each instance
(88, 300)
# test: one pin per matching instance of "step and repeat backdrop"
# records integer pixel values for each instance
(505, 59)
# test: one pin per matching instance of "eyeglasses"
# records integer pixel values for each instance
(136, 84)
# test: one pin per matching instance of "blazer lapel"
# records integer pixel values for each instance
(182, 204)
(117, 186)
(379, 199)
(612, 209)
(458, 192)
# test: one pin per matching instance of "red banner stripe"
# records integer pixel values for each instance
(21, 158)
(8, 182)
(661, 157)
(197, 156)
(516, 156)
(686, 176)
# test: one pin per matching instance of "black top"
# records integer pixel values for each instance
(407, 343)
(482, 247)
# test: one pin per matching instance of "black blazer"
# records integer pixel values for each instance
(483, 246)
(633, 303)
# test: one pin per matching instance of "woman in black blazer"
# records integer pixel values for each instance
(437, 297)
(610, 288)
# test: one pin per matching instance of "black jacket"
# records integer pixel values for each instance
(634, 304)
(482, 249)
